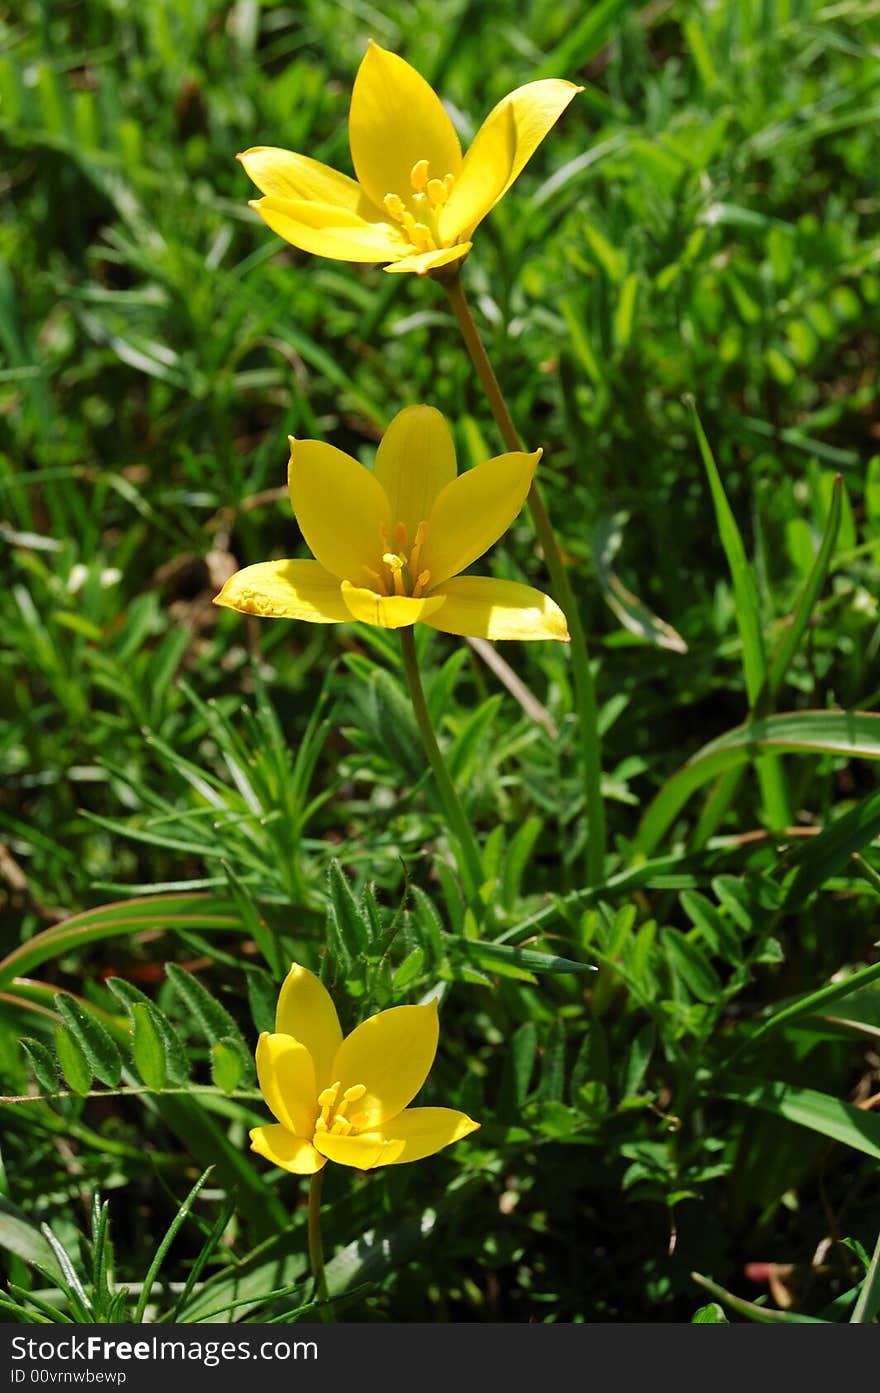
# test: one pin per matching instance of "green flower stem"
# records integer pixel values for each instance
(316, 1246)
(585, 691)
(471, 863)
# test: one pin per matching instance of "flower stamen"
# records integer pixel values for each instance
(395, 565)
(333, 1119)
(421, 534)
(418, 175)
(438, 193)
(377, 580)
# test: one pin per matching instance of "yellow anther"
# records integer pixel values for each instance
(418, 234)
(328, 1096)
(423, 238)
(421, 534)
(340, 1128)
(355, 1093)
(320, 1124)
(395, 565)
(394, 206)
(402, 535)
(418, 175)
(449, 183)
(377, 580)
(437, 193)
(424, 577)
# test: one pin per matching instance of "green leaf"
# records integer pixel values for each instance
(709, 1315)
(348, 920)
(501, 955)
(633, 613)
(163, 1247)
(688, 961)
(227, 1065)
(760, 1314)
(176, 1062)
(827, 854)
(853, 733)
(748, 609)
(839, 1121)
(794, 632)
(868, 1304)
(104, 1059)
(263, 998)
(73, 1062)
(214, 1020)
(165, 912)
(18, 1235)
(812, 1003)
(408, 971)
(748, 618)
(147, 1047)
(44, 1066)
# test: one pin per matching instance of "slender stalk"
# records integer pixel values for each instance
(585, 692)
(316, 1246)
(471, 863)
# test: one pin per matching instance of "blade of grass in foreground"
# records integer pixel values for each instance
(839, 1121)
(853, 733)
(748, 617)
(168, 912)
(868, 1304)
(722, 795)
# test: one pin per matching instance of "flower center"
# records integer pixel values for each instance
(418, 214)
(332, 1118)
(398, 571)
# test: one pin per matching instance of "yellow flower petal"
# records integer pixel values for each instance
(328, 230)
(363, 1150)
(520, 120)
(387, 611)
(414, 461)
(286, 1075)
(485, 174)
(396, 119)
(286, 590)
(412, 1135)
(283, 1149)
(286, 175)
(472, 512)
(342, 510)
(305, 1010)
(482, 607)
(391, 1055)
(423, 262)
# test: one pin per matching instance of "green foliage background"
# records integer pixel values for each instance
(703, 221)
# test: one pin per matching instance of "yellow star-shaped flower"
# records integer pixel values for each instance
(416, 200)
(347, 1100)
(390, 542)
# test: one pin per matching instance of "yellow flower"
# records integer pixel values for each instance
(416, 200)
(390, 542)
(346, 1100)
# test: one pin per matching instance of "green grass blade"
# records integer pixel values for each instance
(155, 1265)
(801, 618)
(853, 733)
(868, 1304)
(839, 1121)
(748, 618)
